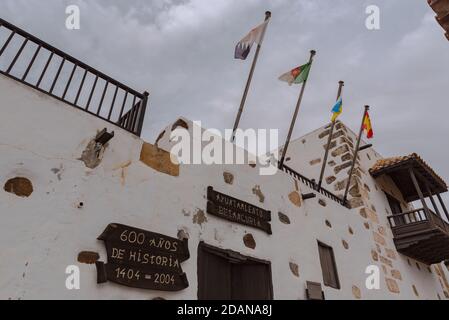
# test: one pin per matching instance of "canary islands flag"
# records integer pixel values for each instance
(367, 126)
(337, 109)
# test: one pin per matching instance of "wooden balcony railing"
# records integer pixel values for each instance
(416, 221)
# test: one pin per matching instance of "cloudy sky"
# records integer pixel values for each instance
(181, 51)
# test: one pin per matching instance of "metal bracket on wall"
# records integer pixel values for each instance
(104, 137)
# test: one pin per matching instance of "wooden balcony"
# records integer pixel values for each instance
(421, 234)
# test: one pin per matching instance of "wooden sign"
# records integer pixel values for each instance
(236, 210)
(144, 278)
(143, 259)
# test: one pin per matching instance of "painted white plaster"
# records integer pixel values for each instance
(43, 234)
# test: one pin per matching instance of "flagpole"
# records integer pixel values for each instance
(248, 83)
(329, 140)
(355, 156)
(295, 115)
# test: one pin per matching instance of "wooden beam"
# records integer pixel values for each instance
(444, 206)
(434, 204)
(418, 190)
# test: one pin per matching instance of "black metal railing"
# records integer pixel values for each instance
(31, 61)
(312, 184)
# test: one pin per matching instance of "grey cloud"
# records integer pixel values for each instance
(182, 52)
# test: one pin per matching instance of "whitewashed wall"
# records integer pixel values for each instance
(42, 139)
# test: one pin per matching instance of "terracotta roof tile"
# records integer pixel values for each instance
(390, 162)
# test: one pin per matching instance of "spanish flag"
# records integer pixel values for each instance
(367, 126)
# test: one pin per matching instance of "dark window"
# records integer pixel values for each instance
(395, 205)
(227, 275)
(328, 266)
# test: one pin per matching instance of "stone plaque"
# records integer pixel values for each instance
(236, 210)
(143, 259)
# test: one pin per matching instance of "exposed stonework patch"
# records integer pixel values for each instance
(351, 232)
(384, 270)
(327, 222)
(363, 213)
(314, 162)
(182, 234)
(396, 274)
(341, 185)
(88, 257)
(283, 218)
(354, 191)
(258, 193)
(392, 285)
(294, 268)
(322, 202)
(330, 179)
(340, 151)
(346, 157)
(93, 154)
(158, 159)
(339, 125)
(337, 134)
(331, 146)
(323, 134)
(381, 230)
(379, 239)
(356, 292)
(390, 253)
(20, 186)
(372, 216)
(295, 198)
(366, 225)
(386, 261)
(415, 291)
(374, 255)
(355, 203)
(199, 218)
(345, 244)
(378, 248)
(228, 177)
(249, 241)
